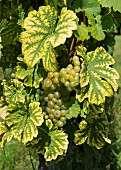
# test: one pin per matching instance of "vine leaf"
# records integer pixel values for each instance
(14, 92)
(74, 111)
(82, 32)
(101, 77)
(57, 146)
(94, 131)
(110, 3)
(24, 122)
(43, 34)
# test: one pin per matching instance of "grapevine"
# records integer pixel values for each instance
(56, 81)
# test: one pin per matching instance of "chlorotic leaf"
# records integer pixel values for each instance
(101, 77)
(24, 123)
(3, 128)
(74, 111)
(49, 124)
(110, 3)
(6, 137)
(57, 146)
(42, 35)
(94, 130)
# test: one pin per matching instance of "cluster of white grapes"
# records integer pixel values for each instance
(56, 89)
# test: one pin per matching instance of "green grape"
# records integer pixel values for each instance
(75, 58)
(72, 84)
(57, 95)
(72, 72)
(60, 123)
(46, 117)
(52, 111)
(55, 80)
(46, 99)
(63, 119)
(55, 120)
(66, 76)
(53, 87)
(62, 72)
(48, 110)
(76, 79)
(70, 66)
(69, 89)
(63, 107)
(51, 116)
(47, 83)
(50, 96)
(67, 84)
(63, 112)
(71, 78)
(54, 100)
(62, 80)
(50, 104)
(76, 69)
(56, 107)
(68, 69)
(56, 74)
(77, 63)
(50, 75)
(57, 113)
(59, 102)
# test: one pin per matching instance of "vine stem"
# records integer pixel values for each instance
(42, 165)
(71, 48)
(31, 161)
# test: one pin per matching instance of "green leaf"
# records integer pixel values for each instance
(101, 77)
(82, 32)
(96, 29)
(49, 124)
(57, 146)
(74, 111)
(43, 34)
(25, 122)
(110, 3)
(6, 137)
(94, 131)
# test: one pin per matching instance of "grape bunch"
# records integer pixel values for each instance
(69, 76)
(56, 89)
(53, 107)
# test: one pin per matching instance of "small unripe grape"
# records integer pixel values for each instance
(50, 75)
(63, 107)
(56, 74)
(62, 80)
(50, 104)
(52, 111)
(47, 83)
(76, 69)
(51, 116)
(59, 102)
(63, 112)
(68, 69)
(54, 100)
(46, 99)
(57, 94)
(57, 113)
(67, 84)
(55, 120)
(66, 76)
(77, 63)
(72, 72)
(60, 123)
(75, 58)
(56, 107)
(48, 110)
(50, 96)
(55, 80)
(69, 89)
(71, 78)
(63, 119)
(46, 117)
(62, 72)
(72, 84)
(70, 66)
(53, 87)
